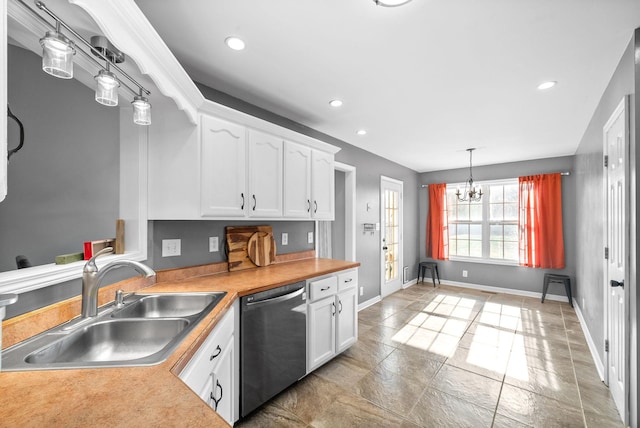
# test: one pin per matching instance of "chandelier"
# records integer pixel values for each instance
(471, 193)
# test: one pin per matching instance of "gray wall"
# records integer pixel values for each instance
(338, 226)
(514, 277)
(590, 204)
(369, 168)
(63, 184)
(195, 235)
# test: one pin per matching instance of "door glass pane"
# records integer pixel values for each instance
(392, 234)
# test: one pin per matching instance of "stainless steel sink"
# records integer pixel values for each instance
(111, 340)
(168, 305)
(143, 331)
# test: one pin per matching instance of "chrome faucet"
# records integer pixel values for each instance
(91, 278)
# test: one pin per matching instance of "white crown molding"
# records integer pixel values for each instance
(124, 24)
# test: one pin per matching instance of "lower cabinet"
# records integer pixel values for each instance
(211, 371)
(332, 317)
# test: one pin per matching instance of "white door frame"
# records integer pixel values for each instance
(349, 209)
(621, 109)
(384, 179)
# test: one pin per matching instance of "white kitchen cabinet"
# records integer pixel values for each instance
(321, 337)
(308, 183)
(223, 160)
(332, 316)
(322, 185)
(347, 319)
(297, 180)
(211, 372)
(265, 175)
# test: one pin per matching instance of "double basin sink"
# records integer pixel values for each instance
(144, 330)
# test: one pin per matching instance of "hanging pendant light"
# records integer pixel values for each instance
(57, 54)
(107, 88)
(471, 192)
(141, 110)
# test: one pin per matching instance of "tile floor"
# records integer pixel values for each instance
(453, 357)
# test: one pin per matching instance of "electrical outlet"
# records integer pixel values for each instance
(213, 244)
(285, 238)
(170, 247)
(310, 238)
(361, 291)
(465, 273)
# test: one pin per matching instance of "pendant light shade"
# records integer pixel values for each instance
(57, 55)
(107, 88)
(141, 110)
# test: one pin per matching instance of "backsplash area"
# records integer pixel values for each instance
(194, 240)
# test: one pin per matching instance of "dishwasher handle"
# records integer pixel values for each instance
(278, 299)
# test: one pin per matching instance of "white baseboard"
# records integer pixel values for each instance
(410, 283)
(370, 302)
(592, 346)
(513, 291)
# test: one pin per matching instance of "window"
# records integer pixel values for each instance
(486, 230)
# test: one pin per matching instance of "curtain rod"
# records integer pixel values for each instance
(566, 173)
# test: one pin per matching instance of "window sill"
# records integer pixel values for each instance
(484, 261)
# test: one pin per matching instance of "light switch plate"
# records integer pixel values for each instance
(170, 247)
(285, 238)
(213, 244)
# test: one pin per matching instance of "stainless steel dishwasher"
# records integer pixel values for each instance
(273, 343)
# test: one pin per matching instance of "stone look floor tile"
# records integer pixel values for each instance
(412, 363)
(500, 421)
(368, 353)
(481, 359)
(343, 372)
(474, 388)
(271, 415)
(438, 409)
(349, 411)
(296, 399)
(537, 410)
(390, 390)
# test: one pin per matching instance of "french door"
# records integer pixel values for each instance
(391, 235)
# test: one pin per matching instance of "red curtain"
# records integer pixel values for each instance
(540, 221)
(437, 231)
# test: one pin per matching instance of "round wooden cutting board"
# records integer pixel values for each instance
(262, 248)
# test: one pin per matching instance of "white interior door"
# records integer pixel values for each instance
(615, 150)
(391, 235)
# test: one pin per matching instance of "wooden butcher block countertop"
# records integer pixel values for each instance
(142, 396)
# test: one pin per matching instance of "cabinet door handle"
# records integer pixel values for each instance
(308, 205)
(348, 280)
(254, 202)
(215, 400)
(315, 209)
(242, 196)
(334, 308)
(340, 310)
(217, 352)
(325, 288)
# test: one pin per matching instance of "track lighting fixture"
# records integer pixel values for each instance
(57, 60)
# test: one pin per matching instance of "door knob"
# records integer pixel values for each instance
(615, 283)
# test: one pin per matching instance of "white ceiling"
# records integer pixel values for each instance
(426, 80)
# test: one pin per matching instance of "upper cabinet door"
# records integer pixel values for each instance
(322, 185)
(222, 175)
(297, 180)
(265, 175)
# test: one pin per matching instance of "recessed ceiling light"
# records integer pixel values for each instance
(547, 85)
(361, 132)
(234, 43)
(390, 3)
(335, 103)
